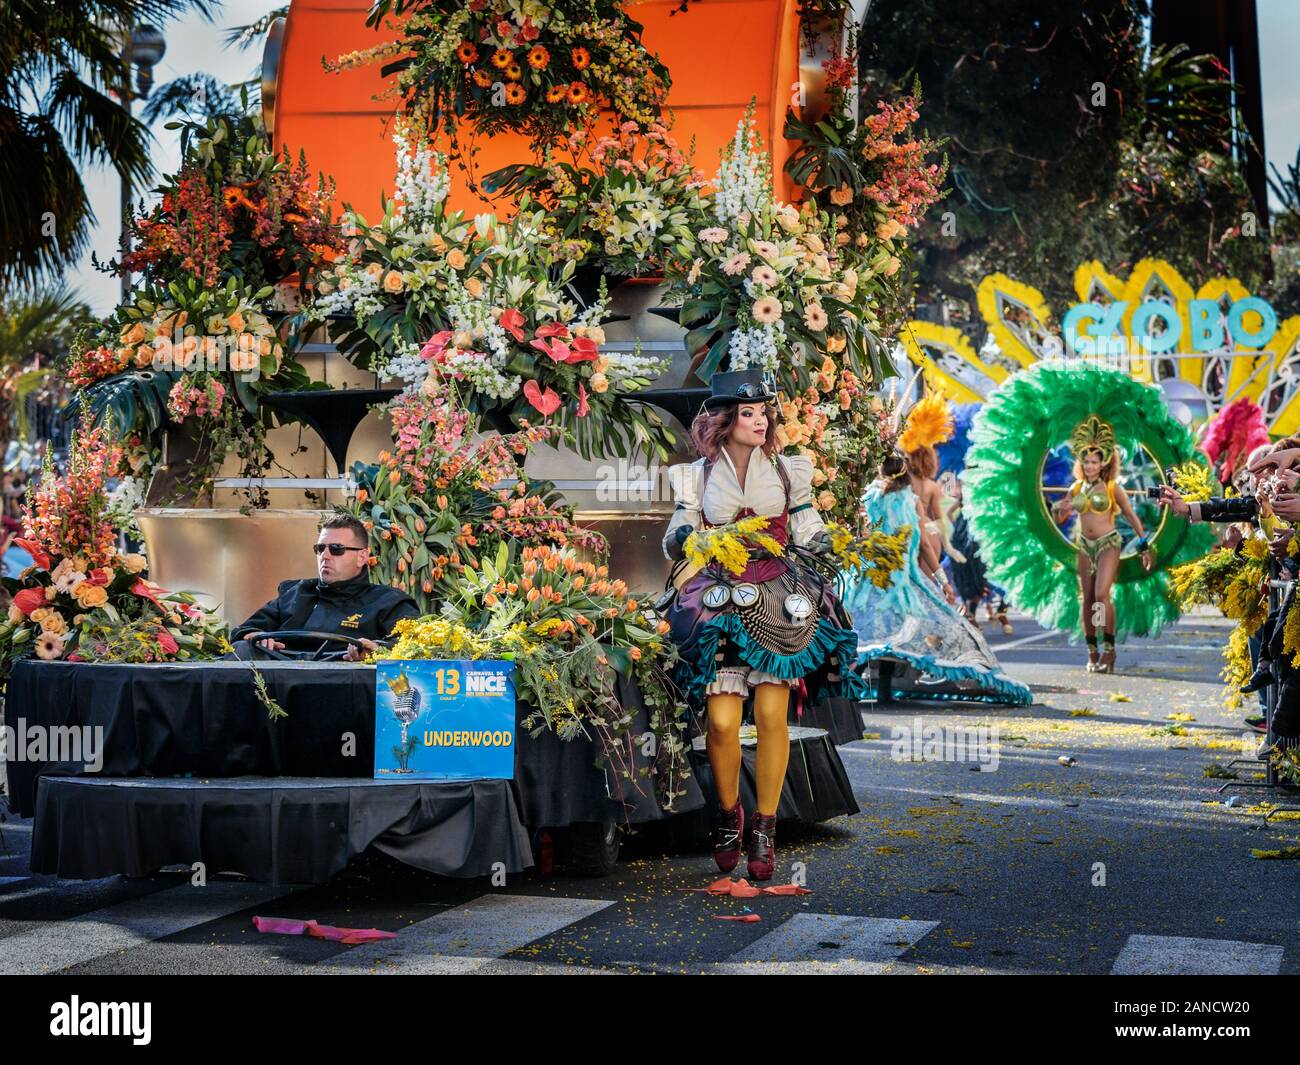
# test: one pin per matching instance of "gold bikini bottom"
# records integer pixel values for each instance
(1094, 548)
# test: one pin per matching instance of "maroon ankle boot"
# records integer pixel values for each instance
(727, 835)
(762, 847)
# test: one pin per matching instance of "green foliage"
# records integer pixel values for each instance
(1067, 142)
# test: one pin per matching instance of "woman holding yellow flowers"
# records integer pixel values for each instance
(749, 614)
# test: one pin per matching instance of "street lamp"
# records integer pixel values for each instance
(142, 50)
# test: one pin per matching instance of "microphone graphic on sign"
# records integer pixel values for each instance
(406, 708)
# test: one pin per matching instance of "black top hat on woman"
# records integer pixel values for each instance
(740, 386)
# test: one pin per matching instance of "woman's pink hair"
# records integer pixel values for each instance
(710, 429)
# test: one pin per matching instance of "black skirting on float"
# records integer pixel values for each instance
(204, 719)
(281, 830)
(841, 718)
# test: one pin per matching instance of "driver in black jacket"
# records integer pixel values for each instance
(341, 599)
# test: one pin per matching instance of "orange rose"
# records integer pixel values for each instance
(90, 595)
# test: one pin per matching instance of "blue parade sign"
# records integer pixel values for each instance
(445, 720)
(1086, 323)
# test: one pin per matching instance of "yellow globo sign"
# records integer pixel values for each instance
(1217, 338)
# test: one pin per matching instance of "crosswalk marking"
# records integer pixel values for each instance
(467, 938)
(61, 944)
(841, 943)
(483, 936)
(1181, 956)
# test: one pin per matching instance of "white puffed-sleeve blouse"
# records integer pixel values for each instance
(724, 498)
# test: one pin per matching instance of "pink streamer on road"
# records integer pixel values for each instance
(287, 926)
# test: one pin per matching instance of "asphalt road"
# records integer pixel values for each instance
(1125, 861)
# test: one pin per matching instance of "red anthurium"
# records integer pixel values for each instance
(583, 408)
(33, 549)
(167, 642)
(433, 347)
(510, 321)
(584, 350)
(556, 349)
(546, 403)
(553, 329)
(99, 577)
(30, 599)
(145, 590)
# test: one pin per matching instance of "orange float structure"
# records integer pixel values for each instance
(720, 54)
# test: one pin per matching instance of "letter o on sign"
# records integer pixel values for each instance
(1237, 324)
(1169, 315)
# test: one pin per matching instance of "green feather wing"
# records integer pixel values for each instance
(1030, 413)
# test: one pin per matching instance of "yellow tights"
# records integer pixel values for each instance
(771, 708)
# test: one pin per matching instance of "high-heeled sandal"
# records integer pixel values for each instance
(1107, 663)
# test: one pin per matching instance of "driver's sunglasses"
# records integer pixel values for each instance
(335, 549)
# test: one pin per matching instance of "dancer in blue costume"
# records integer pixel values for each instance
(910, 626)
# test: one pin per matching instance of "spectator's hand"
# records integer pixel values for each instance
(1277, 546)
(1277, 460)
(1286, 505)
(1148, 560)
(1171, 499)
(356, 654)
(1232, 537)
(267, 644)
(1288, 479)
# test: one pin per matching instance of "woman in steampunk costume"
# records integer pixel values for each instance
(777, 627)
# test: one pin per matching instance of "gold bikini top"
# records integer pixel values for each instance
(1096, 500)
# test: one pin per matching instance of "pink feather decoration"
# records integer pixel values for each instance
(1233, 434)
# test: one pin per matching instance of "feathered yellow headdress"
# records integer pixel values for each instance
(928, 423)
(1093, 434)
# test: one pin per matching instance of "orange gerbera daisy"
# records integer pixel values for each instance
(467, 52)
(514, 72)
(482, 79)
(581, 58)
(502, 58)
(578, 93)
(556, 93)
(538, 57)
(515, 94)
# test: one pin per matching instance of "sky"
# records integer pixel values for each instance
(194, 45)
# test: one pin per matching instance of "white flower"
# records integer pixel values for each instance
(743, 185)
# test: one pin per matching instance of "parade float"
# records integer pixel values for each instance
(481, 335)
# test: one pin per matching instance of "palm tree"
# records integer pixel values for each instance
(60, 65)
(201, 96)
(36, 330)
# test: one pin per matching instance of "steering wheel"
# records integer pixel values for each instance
(299, 634)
